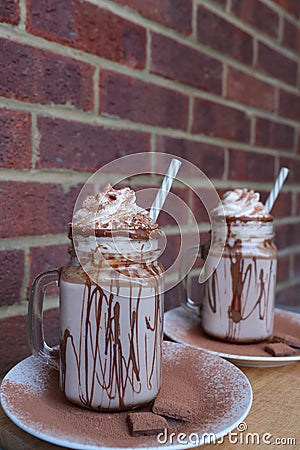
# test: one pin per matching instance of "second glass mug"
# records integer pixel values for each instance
(239, 296)
(110, 332)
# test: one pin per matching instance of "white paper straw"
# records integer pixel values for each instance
(164, 189)
(276, 188)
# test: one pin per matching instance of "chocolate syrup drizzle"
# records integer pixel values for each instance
(102, 358)
(243, 273)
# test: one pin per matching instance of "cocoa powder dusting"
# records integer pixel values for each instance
(185, 327)
(214, 391)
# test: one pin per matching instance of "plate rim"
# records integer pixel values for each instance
(242, 358)
(75, 445)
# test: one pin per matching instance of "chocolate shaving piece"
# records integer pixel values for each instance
(292, 341)
(145, 423)
(279, 349)
(172, 409)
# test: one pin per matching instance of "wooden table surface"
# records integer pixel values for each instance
(275, 414)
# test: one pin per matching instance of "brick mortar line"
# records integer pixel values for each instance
(288, 220)
(226, 164)
(280, 28)
(292, 273)
(193, 35)
(27, 242)
(293, 250)
(21, 309)
(8, 311)
(224, 80)
(22, 24)
(59, 176)
(286, 284)
(110, 122)
(94, 60)
(194, 273)
(256, 185)
(276, 100)
(26, 276)
(65, 177)
(254, 32)
(153, 149)
(96, 79)
(295, 146)
(35, 138)
(171, 279)
(228, 6)
(255, 51)
(294, 204)
(281, 11)
(298, 81)
(276, 166)
(190, 114)
(252, 130)
(148, 51)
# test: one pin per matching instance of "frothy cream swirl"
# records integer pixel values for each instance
(113, 209)
(241, 203)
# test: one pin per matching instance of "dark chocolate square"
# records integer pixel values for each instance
(279, 349)
(172, 408)
(145, 423)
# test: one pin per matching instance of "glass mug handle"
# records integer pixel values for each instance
(184, 297)
(39, 347)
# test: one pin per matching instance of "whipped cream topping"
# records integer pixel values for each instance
(113, 209)
(241, 203)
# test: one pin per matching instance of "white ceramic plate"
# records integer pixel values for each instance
(31, 399)
(184, 327)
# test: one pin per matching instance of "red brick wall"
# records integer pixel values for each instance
(214, 81)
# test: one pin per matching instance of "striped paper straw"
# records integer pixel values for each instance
(164, 189)
(276, 189)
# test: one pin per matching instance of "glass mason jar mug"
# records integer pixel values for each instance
(239, 296)
(111, 323)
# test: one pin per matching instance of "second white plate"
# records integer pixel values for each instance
(184, 327)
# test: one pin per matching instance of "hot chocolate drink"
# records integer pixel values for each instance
(111, 305)
(239, 297)
(111, 348)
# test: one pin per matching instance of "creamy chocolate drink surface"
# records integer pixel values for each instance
(239, 297)
(111, 312)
